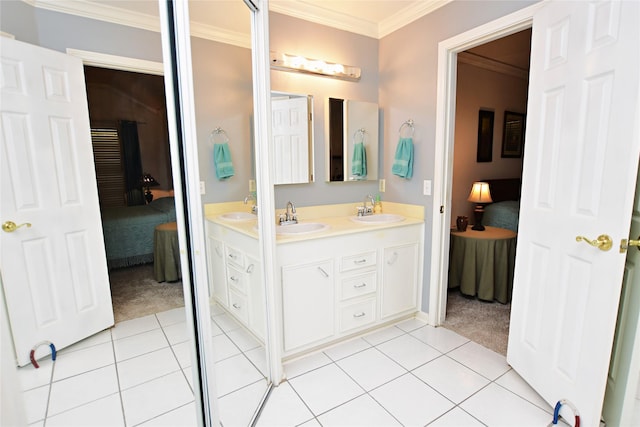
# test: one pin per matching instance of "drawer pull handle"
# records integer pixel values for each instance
(236, 306)
(393, 259)
(360, 261)
(250, 268)
(232, 256)
(324, 273)
(234, 278)
(362, 285)
(361, 314)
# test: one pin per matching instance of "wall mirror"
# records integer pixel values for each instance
(352, 140)
(292, 130)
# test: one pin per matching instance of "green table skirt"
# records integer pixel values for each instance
(482, 267)
(166, 253)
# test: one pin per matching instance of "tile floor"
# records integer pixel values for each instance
(409, 374)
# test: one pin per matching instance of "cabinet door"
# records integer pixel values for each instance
(399, 280)
(217, 273)
(308, 303)
(255, 290)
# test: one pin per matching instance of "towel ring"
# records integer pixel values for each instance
(361, 132)
(409, 124)
(218, 132)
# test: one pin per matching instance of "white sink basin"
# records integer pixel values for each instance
(301, 228)
(378, 218)
(238, 216)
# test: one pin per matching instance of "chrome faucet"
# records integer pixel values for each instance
(364, 209)
(289, 217)
(254, 207)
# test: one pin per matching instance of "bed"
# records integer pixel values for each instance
(128, 231)
(505, 209)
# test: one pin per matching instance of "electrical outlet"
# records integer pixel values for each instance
(381, 185)
(426, 187)
(252, 185)
(202, 192)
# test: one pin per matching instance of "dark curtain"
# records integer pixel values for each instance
(132, 162)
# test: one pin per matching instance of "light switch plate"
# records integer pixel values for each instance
(381, 185)
(426, 187)
(252, 185)
(202, 190)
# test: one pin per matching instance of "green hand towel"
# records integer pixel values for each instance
(222, 161)
(359, 160)
(403, 161)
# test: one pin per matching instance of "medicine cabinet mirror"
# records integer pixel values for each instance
(350, 123)
(292, 130)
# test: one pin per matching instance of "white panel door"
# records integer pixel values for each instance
(290, 129)
(581, 159)
(54, 272)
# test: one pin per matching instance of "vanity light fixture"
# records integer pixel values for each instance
(300, 64)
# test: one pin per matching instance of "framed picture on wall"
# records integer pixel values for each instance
(513, 134)
(485, 136)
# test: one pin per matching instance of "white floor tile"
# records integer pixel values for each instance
(223, 348)
(258, 357)
(409, 351)
(455, 381)
(361, 411)
(243, 339)
(441, 339)
(102, 412)
(496, 406)
(215, 329)
(234, 373)
(342, 350)
(81, 389)
(182, 352)
(35, 403)
(239, 407)
(134, 327)
(456, 418)
(216, 309)
(95, 339)
(188, 374)
(325, 388)
(32, 377)
(482, 360)
(226, 322)
(514, 382)
(156, 397)
(305, 364)
(371, 368)
(146, 367)
(87, 359)
(184, 416)
(410, 324)
(284, 408)
(170, 317)
(136, 345)
(411, 401)
(311, 423)
(177, 333)
(382, 335)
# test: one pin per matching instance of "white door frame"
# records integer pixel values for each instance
(445, 125)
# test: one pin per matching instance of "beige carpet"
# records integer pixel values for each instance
(486, 323)
(135, 293)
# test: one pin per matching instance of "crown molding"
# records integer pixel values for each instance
(319, 15)
(143, 21)
(492, 65)
(122, 63)
(414, 11)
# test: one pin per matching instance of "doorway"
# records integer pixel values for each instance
(492, 79)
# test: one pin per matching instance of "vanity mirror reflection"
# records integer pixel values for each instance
(352, 140)
(292, 130)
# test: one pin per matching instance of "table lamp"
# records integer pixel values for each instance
(148, 181)
(480, 195)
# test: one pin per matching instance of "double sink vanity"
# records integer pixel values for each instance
(337, 274)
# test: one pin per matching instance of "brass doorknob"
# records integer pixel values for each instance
(624, 244)
(603, 242)
(10, 226)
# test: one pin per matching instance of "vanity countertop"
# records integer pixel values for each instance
(337, 217)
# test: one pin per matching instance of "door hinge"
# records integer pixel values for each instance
(441, 209)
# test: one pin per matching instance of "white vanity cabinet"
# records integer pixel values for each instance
(235, 279)
(335, 286)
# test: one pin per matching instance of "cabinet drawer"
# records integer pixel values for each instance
(234, 256)
(355, 286)
(238, 306)
(236, 279)
(352, 262)
(358, 315)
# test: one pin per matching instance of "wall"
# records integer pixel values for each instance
(408, 80)
(478, 89)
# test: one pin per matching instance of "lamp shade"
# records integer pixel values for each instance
(480, 193)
